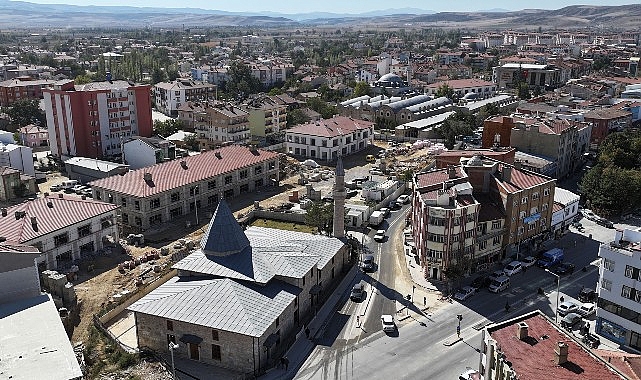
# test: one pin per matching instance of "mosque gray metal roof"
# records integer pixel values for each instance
(222, 304)
(430, 104)
(409, 102)
(224, 236)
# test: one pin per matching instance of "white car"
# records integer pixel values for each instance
(512, 268)
(528, 261)
(464, 293)
(567, 307)
(380, 235)
(403, 198)
(589, 215)
(586, 309)
(388, 323)
(470, 374)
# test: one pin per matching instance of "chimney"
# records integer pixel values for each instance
(183, 163)
(34, 221)
(218, 156)
(522, 330)
(4, 211)
(60, 195)
(507, 173)
(17, 214)
(46, 194)
(518, 165)
(561, 353)
(147, 177)
(49, 204)
(451, 171)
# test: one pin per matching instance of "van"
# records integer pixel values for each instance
(499, 284)
(69, 184)
(550, 258)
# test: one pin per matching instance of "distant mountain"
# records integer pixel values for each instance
(21, 14)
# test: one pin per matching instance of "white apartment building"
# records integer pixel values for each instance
(169, 96)
(140, 152)
(221, 124)
(61, 227)
(18, 157)
(618, 315)
(326, 139)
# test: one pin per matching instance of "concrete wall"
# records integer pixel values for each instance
(19, 283)
(139, 155)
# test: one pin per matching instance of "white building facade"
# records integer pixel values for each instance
(18, 157)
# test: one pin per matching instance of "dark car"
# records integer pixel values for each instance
(563, 268)
(351, 193)
(393, 205)
(368, 264)
(587, 295)
(605, 223)
(480, 282)
(570, 320)
(358, 292)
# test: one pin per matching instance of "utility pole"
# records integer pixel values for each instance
(458, 328)
(172, 347)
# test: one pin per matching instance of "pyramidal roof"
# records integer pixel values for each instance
(224, 235)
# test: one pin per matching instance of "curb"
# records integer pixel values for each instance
(451, 343)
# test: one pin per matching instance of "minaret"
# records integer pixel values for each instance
(339, 200)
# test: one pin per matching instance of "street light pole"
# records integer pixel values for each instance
(172, 347)
(558, 282)
(195, 204)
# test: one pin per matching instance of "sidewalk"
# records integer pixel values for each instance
(302, 347)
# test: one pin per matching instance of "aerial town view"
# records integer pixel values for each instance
(320, 190)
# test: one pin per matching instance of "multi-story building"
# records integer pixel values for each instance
(140, 152)
(170, 96)
(477, 213)
(606, 120)
(266, 117)
(162, 192)
(22, 88)
(566, 208)
(14, 184)
(34, 136)
(532, 346)
(270, 73)
(619, 303)
(222, 124)
(92, 120)
(461, 87)
(61, 227)
(328, 138)
(18, 157)
(533, 74)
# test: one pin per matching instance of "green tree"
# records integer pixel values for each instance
(241, 81)
(362, 88)
(295, 117)
(321, 107)
(445, 90)
(524, 91)
(606, 186)
(26, 111)
(458, 124)
(82, 79)
(320, 215)
(167, 127)
(192, 143)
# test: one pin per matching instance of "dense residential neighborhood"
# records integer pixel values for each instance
(314, 200)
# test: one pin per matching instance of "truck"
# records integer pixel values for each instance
(376, 218)
(550, 258)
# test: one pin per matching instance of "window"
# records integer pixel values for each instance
(228, 179)
(631, 272)
(483, 245)
(171, 339)
(272, 165)
(137, 205)
(258, 170)
(606, 284)
(546, 192)
(496, 224)
(84, 230)
(496, 240)
(125, 218)
(123, 200)
(60, 239)
(170, 325)
(469, 234)
(194, 190)
(277, 321)
(470, 218)
(544, 206)
(214, 335)
(138, 221)
(534, 210)
(535, 196)
(520, 230)
(437, 221)
(524, 200)
(243, 174)
(215, 352)
(608, 264)
(211, 185)
(626, 291)
(522, 215)
(175, 197)
(154, 203)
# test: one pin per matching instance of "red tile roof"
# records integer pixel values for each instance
(334, 127)
(557, 207)
(436, 176)
(172, 174)
(62, 213)
(521, 179)
(534, 359)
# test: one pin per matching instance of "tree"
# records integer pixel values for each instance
(458, 124)
(362, 88)
(524, 91)
(295, 117)
(320, 215)
(321, 107)
(192, 143)
(26, 111)
(445, 90)
(167, 127)
(241, 81)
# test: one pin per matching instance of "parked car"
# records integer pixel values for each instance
(496, 274)
(587, 295)
(470, 374)
(55, 187)
(351, 193)
(376, 172)
(480, 282)
(589, 214)
(79, 189)
(370, 158)
(358, 292)
(499, 285)
(563, 268)
(464, 293)
(394, 205)
(368, 264)
(587, 309)
(87, 193)
(570, 320)
(388, 323)
(512, 268)
(403, 198)
(567, 307)
(380, 235)
(385, 211)
(528, 261)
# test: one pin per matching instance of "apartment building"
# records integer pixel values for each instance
(531, 346)
(22, 88)
(618, 315)
(92, 120)
(270, 73)
(605, 121)
(18, 157)
(541, 75)
(170, 96)
(153, 195)
(461, 87)
(266, 117)
(328, 138)
(14, 184)
(34, 136)
(61, 227)
(221, 124)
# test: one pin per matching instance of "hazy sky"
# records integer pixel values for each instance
(340, 6)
